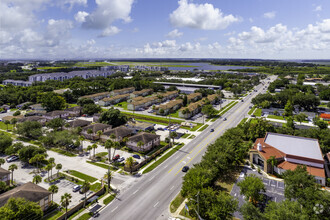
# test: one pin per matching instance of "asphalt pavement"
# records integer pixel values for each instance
(150, 195)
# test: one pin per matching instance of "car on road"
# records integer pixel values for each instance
(225, 119)
(12, 158)
(242, 100)
(76, 188)
(116, 157)
(136, 156)
(185, 169)
(121, 159)
(212, 130)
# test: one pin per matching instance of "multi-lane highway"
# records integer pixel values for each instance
(150, 195)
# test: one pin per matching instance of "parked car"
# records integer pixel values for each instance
(242, 100)
(160, 129)
(116, 157)
(76, 188)
(185, 169)
(225, 119)
(212, 130)
(12, 158)
(136, 156)
(121, 159)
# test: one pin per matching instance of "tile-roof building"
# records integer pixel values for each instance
(75, 111)
(122, 91)
(114, 100)
(56, 114)
(143, 92)
(95, 128)
(96, 96)
(169, 107)
(120, 132)
(30, 192)
(5, 176)
(289, 151)
(78, 123)
(147, 139)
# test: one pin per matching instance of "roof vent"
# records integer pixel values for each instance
(259, 147)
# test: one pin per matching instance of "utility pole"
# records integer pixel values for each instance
(169, 129)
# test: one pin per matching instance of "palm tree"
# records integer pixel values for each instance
(2, 161)
(37, 158)
(125, 139)
(273, 162)
(53, 189)
(108, 145)
(7, 123)
(94, 146)
(85, 187)
(173, 136)
(116, 146)
(89, 131)
(81, 139)
(13, 121)
(65, 201)
(108, 177)
(48, 168)
(37, 179)
(140, 144)
(12, 168)
(99, 133)
(58, 167)
(89, 148)
(129, 163)
(52, 163)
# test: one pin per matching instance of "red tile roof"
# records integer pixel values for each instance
(311, 170)
(267, 150)
(324, 115)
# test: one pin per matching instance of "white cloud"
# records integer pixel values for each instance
(174, 34)
(324, 26)
(270, 14)
(135, 30)
(71, 3)
(80, 16)
(110, 31)
(57, 31)
(318, 8)
(200, 16)
(107, 11)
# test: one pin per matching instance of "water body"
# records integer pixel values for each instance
(207, 66)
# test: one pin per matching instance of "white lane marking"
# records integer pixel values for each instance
(172, 187)
(151, 178)
(166, 166)
(114, 209)
(156, 204)
(135, 192)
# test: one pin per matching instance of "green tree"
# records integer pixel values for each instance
(48, 167)
(19, 208)
(94, 146)
(17, 113)
(273, 162)
(85, 187)
(91, 109)
(65, 202)
(51, 101)
(58, 167)
(99, 133)
(2, 161)
(285, 210)
(11, 168)
(173, 136)
(28, 152)
(13, 121)
(290, 123)
(5, 141)
(89, 148)
(56, 124)
(251, 187)
(209, 111)
(139, 145)
(29, 129)
(129, 163)
(37, 179)
(250, 212)
(288, 109)
(7, 123)
(37, 159)
(51, 161)
(108, 177)
(108, 145)
(53, 189)
(14, 149)
(3, 186)
(301, 117)
(113, 117)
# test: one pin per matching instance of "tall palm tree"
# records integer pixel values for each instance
(116, 146)
(273, 162)
(108, 177)
(85, 187)
(36, 159)
(52, 163)
(65, 202)
(108, 145)
(53, 189)
(89, 148)
(48, 168)
(37, 179)
(94, 146)
(139, 145)
(2, 161)
(129, 163)
(113, 137)
(81, 139)
(12, 168)
(99, 133)
(58, 167)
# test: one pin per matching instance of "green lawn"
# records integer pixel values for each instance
(204, 127)
(243, 121)
(101, 154)
(63, 152)
(176, 203)
(105, 166)
(107, 200)
(185, 135)
(251, 110)
(122, 105)
(175, 114)
(258, 112)
(53, 216)
(95, 187)
(275, 117)
(3, 126)
(85, 216)
(192, 137)
(168, 153)
(82, 176)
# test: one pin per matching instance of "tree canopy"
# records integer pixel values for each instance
(19, 208)
(113, 117)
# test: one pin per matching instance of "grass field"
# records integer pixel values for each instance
(63, 152)
(203, 127)
(82, 176)
(258, 112)
(176, 203)
(85, 216)
(251, 110)
(107, 200)
(3, 126)
(275, 117)
(105, 166)
(122, 105)
(95, 187)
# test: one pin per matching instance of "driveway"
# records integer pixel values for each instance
(274, 189)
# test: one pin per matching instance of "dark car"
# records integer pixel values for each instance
(116, 157)
(136, 156)
(212, 130)
(242, 100)
(225, 119)
(185, 169)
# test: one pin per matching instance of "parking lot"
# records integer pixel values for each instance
(274, 189)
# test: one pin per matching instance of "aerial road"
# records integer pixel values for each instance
(149, 196)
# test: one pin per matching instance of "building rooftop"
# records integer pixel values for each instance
(79, 123)
(96, 127)
(293, 145)
(28, 191)
(3, 172)
(144, 137)
(121, 131)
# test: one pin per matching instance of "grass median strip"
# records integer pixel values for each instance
(176, 203)
(82, 176)
(203, 128)
(105, 166)
(251, 110)
(107, 200)
(163, 158)
(229, 107)
(63, 152)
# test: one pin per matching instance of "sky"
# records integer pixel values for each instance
(92, 29)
